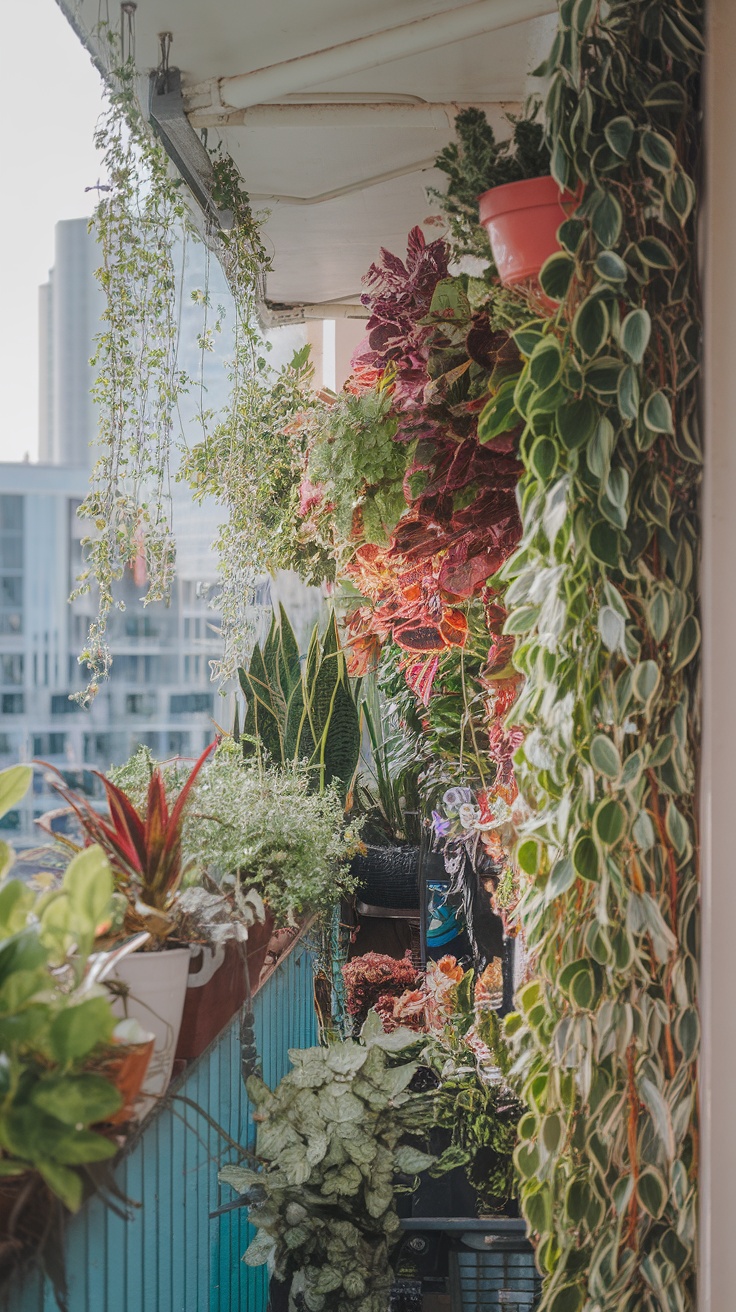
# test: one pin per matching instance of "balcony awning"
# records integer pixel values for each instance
(333, 112)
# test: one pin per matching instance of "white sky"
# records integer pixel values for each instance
(52, 99)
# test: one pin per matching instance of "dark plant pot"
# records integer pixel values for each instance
(451, 1194)
(388, 877)
(521, 219)
(213, 996)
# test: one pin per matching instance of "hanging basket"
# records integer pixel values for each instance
(521, 219)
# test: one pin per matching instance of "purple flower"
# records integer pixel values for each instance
(441, 826)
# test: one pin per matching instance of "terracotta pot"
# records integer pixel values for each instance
(521, 219)
(216, 988)
(155, 984)
(127, 1069)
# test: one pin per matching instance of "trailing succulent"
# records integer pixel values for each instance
(602, 598)
(331, 1138)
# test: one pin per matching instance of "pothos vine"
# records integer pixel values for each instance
(602, 594)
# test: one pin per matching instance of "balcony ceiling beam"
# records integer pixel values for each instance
(351, 57)
(346, 114)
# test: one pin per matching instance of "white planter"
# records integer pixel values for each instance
(156, 984)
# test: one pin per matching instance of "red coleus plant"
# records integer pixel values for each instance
(144, 849)
(462, 521)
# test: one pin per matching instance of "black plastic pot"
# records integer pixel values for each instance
(389, 876)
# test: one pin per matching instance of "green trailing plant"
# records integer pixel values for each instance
(602, 598)
(331, 1138)
(477, 161)
(142, 225)
(302, 714)
(138, 222)
(252, 827)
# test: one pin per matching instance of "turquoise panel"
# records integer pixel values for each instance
(169, 1256)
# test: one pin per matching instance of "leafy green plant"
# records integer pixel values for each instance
(331, 1138)
(387, 789)
(356, 469)
(51, 1024)
(477, 161)
(602, 598)
(252, 827)
(296, 714)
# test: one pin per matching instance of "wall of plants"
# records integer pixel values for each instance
(602, 598)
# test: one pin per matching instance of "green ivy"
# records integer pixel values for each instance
(602, 595)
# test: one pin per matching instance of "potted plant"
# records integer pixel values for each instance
(263, 850)
(298, 714)
(332, 1139)
(507, 188)
(144, 848)
(59, 1096)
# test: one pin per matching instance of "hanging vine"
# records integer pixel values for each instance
(138, 222)
(603, 599)
(142, 224)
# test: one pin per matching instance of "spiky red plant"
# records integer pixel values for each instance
(145, 849)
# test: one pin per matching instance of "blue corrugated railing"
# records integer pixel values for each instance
(170, 1257)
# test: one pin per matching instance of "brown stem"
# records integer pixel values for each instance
(633, 1122)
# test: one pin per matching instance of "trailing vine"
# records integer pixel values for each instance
(142, 224)
(138, 221)
(602, 595)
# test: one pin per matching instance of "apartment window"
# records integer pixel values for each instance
(49, 744)
(11, 551)
(11, 820)
(6, 745)
(191, 703)
(62, 705)
(11, 513)
(98, 745)
(11, 669)
(178, 743)
(11, 589)
(11, 622)
(11, 703)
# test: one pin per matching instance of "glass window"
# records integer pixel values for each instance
(11, 551)
(191, 703)
(11, 703)
(11, 820)
(11, 512)
(11, 669)
(11, 589)
(61, 705)
(178, 743)
(11, 622)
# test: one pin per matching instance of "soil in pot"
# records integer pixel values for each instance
(521, 219)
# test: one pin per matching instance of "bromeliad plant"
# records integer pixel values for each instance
(331, 1138)
(144, 847)
(603, 599)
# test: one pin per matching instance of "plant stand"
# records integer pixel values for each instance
(490, 1263)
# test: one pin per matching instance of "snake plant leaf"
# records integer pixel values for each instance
(289, 664)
